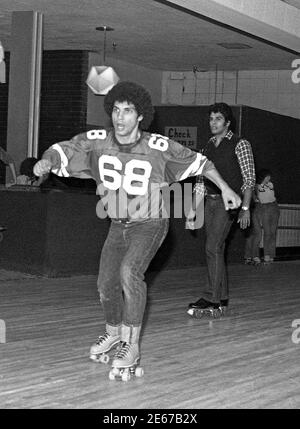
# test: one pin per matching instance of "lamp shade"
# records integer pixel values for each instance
(101, 79)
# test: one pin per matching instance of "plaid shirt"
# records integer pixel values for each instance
(245, 158)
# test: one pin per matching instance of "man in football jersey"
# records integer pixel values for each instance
(128, 164)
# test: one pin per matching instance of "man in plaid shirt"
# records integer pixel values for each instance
(233, 158)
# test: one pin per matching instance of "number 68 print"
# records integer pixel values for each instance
(141, 180)
(296, 332)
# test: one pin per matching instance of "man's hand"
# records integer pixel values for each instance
(231, 199)
(42, 167)
(244, 219)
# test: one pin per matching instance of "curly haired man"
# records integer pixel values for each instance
(128, 163)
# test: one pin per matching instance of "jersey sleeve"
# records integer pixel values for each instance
(182, 162)
(73, 158)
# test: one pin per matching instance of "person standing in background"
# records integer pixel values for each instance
(232, 155)
(7, 160)
(26, 176)
(265, 218)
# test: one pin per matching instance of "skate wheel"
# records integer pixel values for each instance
(190, 312)
(94, 358)
(139, 371)
(115, 371)
(104, 359)
(126, 376)
(198, 314)
(111, 375)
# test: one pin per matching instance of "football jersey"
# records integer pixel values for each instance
(130, 176)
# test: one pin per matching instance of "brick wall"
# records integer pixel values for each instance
(63, 98)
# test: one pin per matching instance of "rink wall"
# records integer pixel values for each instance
(57, 233)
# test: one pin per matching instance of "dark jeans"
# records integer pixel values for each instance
(269, 217)
(265, 216)
(126, 255)
(217, 225)
(253, 234)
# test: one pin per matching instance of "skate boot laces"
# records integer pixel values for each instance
(126, 355)
(102, 339)
(104, 343)
(122, 350)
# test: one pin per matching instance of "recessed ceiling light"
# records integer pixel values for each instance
(104, 28)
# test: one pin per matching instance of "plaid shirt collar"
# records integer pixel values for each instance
(228, 136)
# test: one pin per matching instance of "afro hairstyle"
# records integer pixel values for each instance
(134, 94)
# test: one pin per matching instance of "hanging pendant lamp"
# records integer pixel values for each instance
(102, 78)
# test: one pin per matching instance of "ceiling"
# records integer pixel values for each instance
(295, 3)
(148, 33)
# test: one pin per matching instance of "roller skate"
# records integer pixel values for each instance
(252, 261)
(99, 350)
(223, 307)
(202, 308)
(125, 364)
(268, 260)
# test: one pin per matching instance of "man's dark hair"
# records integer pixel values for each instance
(224, 109)
(134, 94)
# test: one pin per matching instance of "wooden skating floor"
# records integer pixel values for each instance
(248, 359)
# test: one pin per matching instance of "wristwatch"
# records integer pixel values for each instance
(245, 208)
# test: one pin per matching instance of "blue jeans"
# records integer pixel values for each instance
(253, 234)
(264, 216)
(217, 225)
(125, 257)
(269, 214)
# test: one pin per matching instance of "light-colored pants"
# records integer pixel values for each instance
(263, 217)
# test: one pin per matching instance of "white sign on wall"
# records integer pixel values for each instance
(187, 136)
